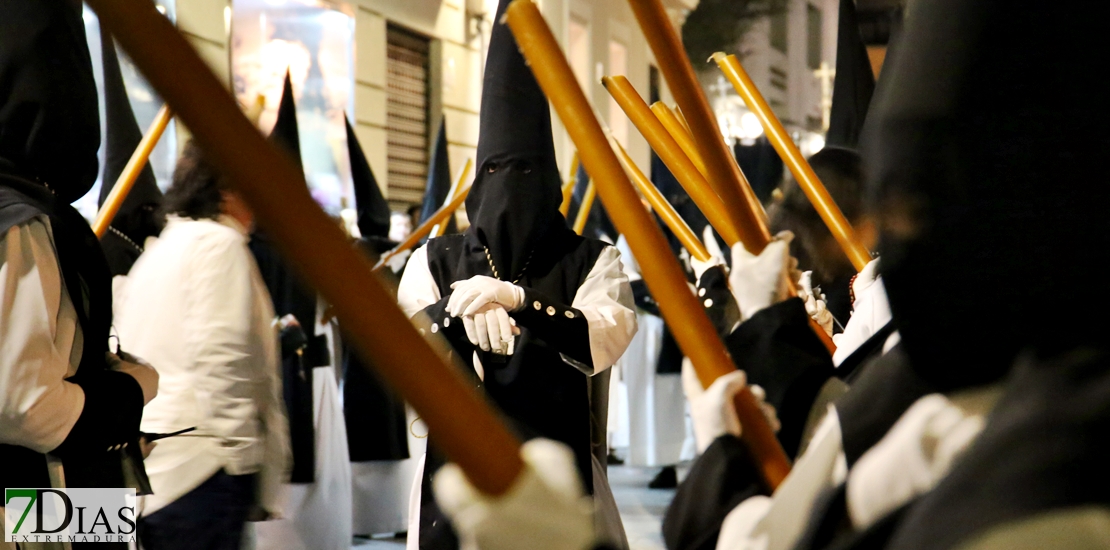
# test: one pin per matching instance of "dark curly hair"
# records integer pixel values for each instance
(195, 192)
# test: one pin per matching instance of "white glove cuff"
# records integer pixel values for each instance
(518, 299)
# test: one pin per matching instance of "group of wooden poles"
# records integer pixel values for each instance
(687, 140)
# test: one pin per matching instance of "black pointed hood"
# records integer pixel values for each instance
(987, 162)
(514, 204)
(49, 117)
(372, 208)
(285, 133)
(439, 180)
(854, 84)
(138, 217)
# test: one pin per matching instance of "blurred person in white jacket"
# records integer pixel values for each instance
(197, 307)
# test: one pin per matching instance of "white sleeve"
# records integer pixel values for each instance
(417, 289)
(218, 334)
(778, 522)
(40, 342)
(605, 300)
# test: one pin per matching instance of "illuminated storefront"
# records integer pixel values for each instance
(312, 40)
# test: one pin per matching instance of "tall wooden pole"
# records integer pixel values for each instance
(679, 132)
(425, 228)
(568, 187)
(583, 214)
(692, 329)
(456, 188)
(722, 171)
(803, 173)
(684, 170)
(131, 172)
(666, 210)
(466, 428)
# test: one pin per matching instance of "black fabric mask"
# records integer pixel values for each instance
(985, 152)
(49, 119)
(514, 203)
(512, 208)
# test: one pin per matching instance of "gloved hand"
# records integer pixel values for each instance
(716, 258)
(870, 313)
(712, 410)
(761, 281)
(140, 370)
(545, 509)
(864, 280)
(913, 456)
(815, 302)
(491, 329)
(472, 294)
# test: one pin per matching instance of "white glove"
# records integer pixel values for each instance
(545, 509)
(472, 294)
(396, 264)
(701, 267)
(140, 370)
(913, 456)
(865, 279)
(712, 410)
(815, 302)
(870, 312)
(491, 329)
(761, 281)
(716, 258)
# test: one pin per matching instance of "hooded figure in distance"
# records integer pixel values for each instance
(138, 217)
(531, 309)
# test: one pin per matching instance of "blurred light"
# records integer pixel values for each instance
(161, 9)
(227, 19)
(750, 126)
(88, 15)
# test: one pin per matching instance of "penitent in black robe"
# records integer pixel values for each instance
(541, 388)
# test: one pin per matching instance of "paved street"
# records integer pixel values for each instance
(641, 510)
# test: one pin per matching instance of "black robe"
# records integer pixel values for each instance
(723, 476)
(540, 394)
(291, 296)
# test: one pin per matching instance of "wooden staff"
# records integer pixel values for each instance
(677, 162)
(687, 175)
(723, 173)
(465, 426)
(664, 277)
(131, 172)
(425, 228)
(682, 119)
(438, 230)
(666, 211)
(803, 172)
(583, 214)
(680, 134)
(568, 187)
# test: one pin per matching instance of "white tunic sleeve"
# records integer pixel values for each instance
(40, 342)
(417, 289)
(605, 300)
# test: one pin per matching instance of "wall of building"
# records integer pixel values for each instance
(206, 26)
(459, 33)
(786, 78)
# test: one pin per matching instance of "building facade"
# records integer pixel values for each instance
(413, 64)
